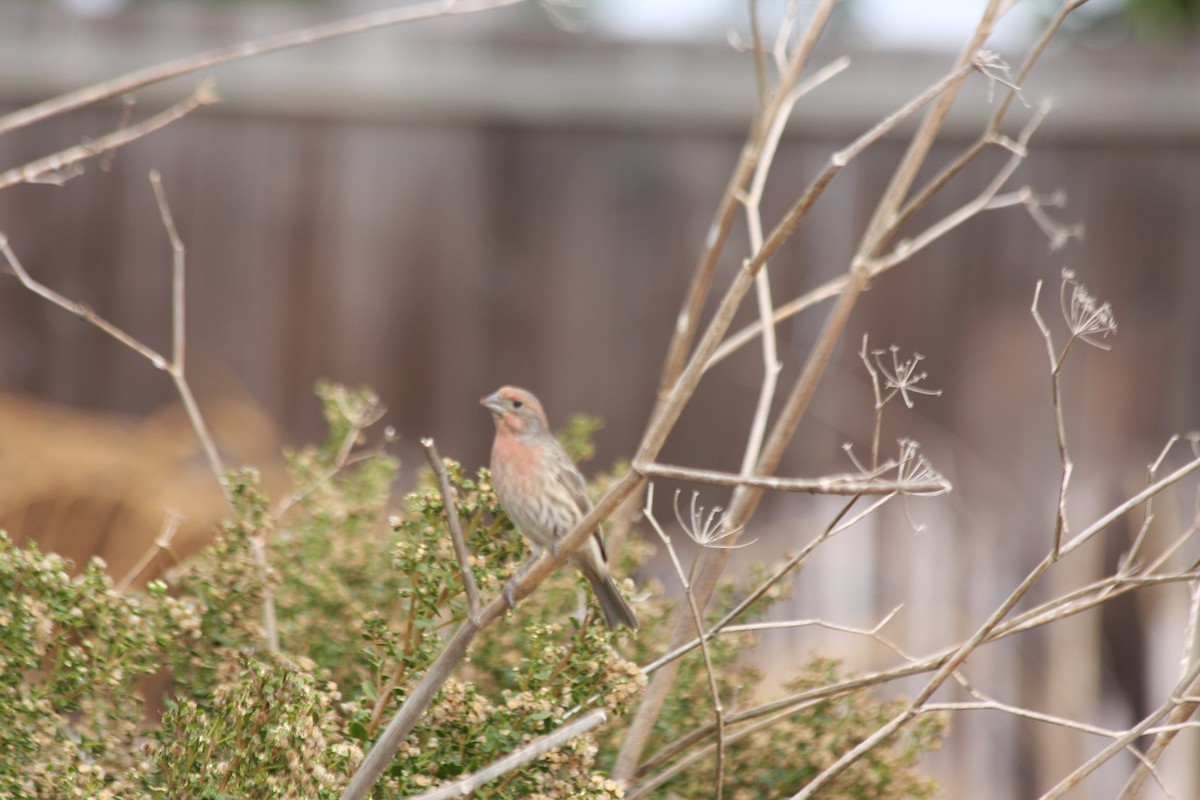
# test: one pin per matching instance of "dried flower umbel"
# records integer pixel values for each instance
(1086, 318)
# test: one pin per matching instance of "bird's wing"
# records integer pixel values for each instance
(569, 478)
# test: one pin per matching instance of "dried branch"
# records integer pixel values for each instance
(146, 76)
(687, 323)
(1060, 522)
(1128, 738)
(752, 200)
(985, 200)
(464, 787)
(746, 498)
(835, 527)
(173, 367)
(1130, 558)
(848, 484)
(698, 621)
(36, 171)
(456, 533)
(1181, 714)
(162, 544)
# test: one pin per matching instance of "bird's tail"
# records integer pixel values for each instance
(616, 610)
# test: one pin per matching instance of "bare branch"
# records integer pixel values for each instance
(1060, 522)
(65, 159)
(848, 484)
(688, 321)
(182, 66)
(78, 309)
(835, 527)
(698, 621)
(461, 553)
(464, 787)
(162, 544)
(1123, 741)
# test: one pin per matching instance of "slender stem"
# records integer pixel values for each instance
(146, 76)
(698, 621)
(519, 757)
(856, 485)
(461, 553)
(162, 544)
(37, 170)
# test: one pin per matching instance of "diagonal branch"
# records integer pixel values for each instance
(456, 533)
(519, 757)
(146, 76)
(38, 170)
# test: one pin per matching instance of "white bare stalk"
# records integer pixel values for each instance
(752, 200)
(987, 632)
(988, 704)
(988, 199)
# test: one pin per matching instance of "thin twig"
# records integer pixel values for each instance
(464, 787)
(835, 526)
(146, 76)
(987, 630)
(687, 323)
(1121, 742)
(1130, 558)
(461, 553)
(1060, 429)
(1180, 715)
(178, 337)
(162, 544)
(848, 484)
(36, 171)
(698, 621)
(984, 201)
(760, 60)
(78, 309)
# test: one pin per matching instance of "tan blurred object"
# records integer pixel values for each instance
(86, 484)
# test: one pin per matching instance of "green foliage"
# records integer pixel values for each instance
(71, 652)
(363, 598)
(268, 731)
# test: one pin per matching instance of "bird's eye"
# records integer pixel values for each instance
(517, 404)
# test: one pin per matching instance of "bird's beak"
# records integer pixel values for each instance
(493, 403)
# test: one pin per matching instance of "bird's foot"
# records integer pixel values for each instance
(510, 595)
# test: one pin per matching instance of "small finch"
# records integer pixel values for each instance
(543, 494)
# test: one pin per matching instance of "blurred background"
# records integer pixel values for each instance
(436, 209)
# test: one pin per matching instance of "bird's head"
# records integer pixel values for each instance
(515, 411)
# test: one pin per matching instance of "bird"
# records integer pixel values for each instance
(543, 494)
